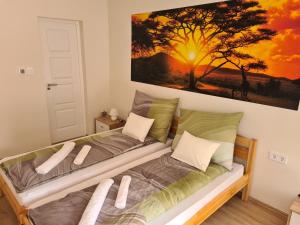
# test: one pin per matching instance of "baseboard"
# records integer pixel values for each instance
(276, 212)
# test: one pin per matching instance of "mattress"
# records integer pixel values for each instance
(38, 193)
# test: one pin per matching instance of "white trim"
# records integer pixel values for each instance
(81, 79)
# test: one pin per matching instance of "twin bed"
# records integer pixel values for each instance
(163, 190)
(23, 187)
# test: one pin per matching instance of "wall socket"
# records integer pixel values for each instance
(278, 157)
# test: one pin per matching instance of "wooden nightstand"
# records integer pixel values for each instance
(294, 218)
(104, 123)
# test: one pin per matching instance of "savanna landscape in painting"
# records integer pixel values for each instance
(246, 50)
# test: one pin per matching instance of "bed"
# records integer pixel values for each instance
(176, 215)
(195, 208)
(20, 200)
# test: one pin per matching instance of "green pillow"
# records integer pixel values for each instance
(219, 127)
(161, 110)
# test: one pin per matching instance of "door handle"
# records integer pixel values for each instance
(51, 85)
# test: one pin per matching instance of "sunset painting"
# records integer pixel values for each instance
(244, 50)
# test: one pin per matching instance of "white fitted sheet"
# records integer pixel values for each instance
(36, 194)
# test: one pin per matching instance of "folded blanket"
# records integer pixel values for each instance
(123, 192)
(82, 155)
(56, 158)
(95, 204)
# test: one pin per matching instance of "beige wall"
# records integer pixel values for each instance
(23, 111)
(276, 129)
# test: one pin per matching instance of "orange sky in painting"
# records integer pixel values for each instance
(282, 54)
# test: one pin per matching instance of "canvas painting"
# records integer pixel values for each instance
(244, 50)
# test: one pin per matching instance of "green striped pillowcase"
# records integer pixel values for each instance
(161, 110)
(219, 127)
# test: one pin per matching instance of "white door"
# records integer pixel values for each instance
(64, 78)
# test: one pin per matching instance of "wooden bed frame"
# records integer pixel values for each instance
(244, 153)
(18, 209)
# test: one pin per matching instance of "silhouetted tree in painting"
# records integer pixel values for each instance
(212, 35)
(142, 40)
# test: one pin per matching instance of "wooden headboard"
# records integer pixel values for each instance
(244, 150)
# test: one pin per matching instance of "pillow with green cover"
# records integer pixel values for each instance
(218, 127)
(161, 110)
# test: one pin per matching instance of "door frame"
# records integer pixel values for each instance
(82, 82)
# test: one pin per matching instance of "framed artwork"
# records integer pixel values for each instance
(244, 50)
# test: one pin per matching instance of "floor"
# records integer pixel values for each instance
(7, 216)
(235, 212)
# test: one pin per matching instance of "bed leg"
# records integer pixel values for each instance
(249, 170)
(20, 220)
(245, 193)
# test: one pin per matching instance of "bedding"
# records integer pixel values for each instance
(44, 193)
(121, 199)
(217, 127)
(96, 202)
(161, 110)
(56, 158)
(21, 170)
(82, 155)
(156, 186)
(137, 126)
(182, 212)
(195, 151)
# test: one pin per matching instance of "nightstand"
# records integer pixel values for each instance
(104, 123)
(294, 218)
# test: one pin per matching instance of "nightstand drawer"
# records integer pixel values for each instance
(100, 127)
(295, 219)
(104, 123)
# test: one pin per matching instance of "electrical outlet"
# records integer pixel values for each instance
(278, 157)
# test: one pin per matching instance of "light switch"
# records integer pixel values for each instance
(21, 71)
(25, 71)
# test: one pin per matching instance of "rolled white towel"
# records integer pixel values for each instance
(55, 159)
(91, 212)
(123, 192)
(82, 155)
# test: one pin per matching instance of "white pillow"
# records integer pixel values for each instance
(195, 151)
(137, 127)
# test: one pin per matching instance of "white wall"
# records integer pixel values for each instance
(276, 129)
(23, 111)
